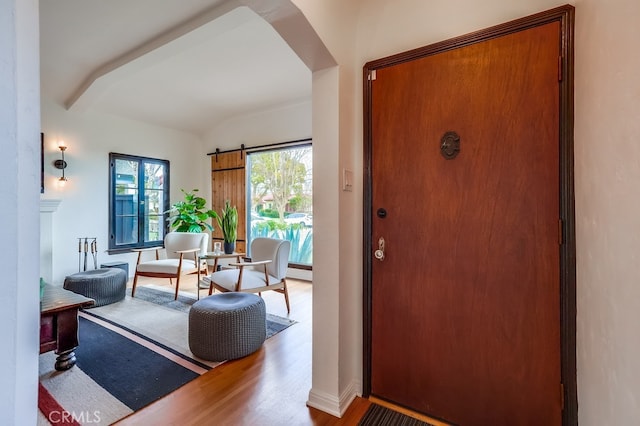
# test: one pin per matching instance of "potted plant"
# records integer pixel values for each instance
(228, 222)
(191, 215)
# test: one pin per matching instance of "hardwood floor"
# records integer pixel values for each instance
(269, 387)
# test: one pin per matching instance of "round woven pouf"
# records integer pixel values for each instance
(105, 286)
(227, 326)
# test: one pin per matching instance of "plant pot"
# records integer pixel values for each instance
(229, 247)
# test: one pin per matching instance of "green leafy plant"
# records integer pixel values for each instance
(228, 222)
(191, 215)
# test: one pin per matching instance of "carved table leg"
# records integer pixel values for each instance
(65, 360)
(67, 339)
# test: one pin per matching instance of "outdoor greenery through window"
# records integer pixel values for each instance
(280, 204)
(138, 198)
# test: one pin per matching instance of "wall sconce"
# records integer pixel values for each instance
(61, 164)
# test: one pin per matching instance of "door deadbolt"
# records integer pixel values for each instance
(379, 254)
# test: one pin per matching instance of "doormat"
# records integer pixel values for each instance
(377, 415)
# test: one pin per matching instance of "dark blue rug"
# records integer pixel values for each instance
(129, 371)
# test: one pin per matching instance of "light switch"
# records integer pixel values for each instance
(347, 180)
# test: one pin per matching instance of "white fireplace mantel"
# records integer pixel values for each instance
(47, 208)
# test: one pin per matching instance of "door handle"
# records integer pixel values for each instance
(379, 254)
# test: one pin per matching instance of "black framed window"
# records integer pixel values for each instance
(138, 198)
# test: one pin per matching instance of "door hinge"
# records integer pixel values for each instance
(372, 75)
(561, 396)
(560, 232)
(559, 68)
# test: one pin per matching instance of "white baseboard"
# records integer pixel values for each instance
(324, 402)
(348, 395)
(300, 274)
(332, 405)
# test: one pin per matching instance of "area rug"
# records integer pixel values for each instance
(377, 415)
(131, 353)
(164, 297)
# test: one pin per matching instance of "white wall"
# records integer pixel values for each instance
(288, 123)
(19, 141)
(325, 390)
(337, 297)
(83, 211)
(607, 162)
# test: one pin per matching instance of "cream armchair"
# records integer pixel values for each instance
(181, 257)
(266, 271)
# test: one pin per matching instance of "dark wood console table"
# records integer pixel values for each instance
(59, 324)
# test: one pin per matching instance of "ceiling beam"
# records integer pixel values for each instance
(282, 15)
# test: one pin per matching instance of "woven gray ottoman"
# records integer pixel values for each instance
(105, 286)
(227, 326)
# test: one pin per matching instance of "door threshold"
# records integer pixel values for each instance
(407, 412)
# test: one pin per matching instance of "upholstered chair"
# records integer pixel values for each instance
(266, 270)
(179, 257)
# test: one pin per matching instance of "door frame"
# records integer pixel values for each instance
(565, 16)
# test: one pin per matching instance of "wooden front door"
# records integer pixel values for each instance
(465, 293)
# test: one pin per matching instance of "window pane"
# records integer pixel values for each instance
(126, 215)
(126, 207)
(153, 175)
(281, 199)
(126, 173)
(154, 201)
(154, 208)
(154, 229)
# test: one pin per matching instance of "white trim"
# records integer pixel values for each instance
(49, 206)
(332, 405)
(324, 402)
(300, 274)
(47, 209)
(348, 395)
